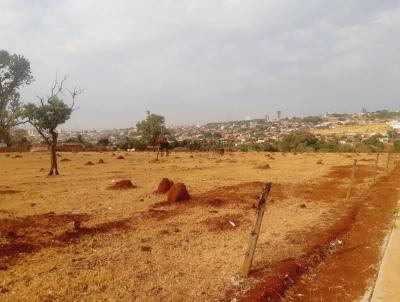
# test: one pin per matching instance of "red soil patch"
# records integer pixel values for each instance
(89, 163)
(17, 156)
(101, 161)
(264, 167)
(65, 159)
(359, 256)
(242, 195)
(349, 257)
(223, 223)
(120, 157)
(164, 185)
(178, 192)
(159, 214)
(15, 248)
(32, 233)
(122, 185)
(335, 185)
(344, 172)
(9, 192)
(29, 234)
(215, 202)
(74, 235)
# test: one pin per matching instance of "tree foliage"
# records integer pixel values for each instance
(104, 141)
(299, 141)
(15, 72)
(48, 114)
(151, 127)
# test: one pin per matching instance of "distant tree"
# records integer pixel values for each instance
(79, 139)
(151, 128)
(312, 119)
(104, 141)
(46, 116)
(194, 145)
(15, 72)
(374, 143)
(393, 134)
(19, 139)
(298, 141)
(396, 146)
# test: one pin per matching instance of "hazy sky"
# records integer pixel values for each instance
(196, 61)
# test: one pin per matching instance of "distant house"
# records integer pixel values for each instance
(395, 126)
(69, 147)
(39, 148)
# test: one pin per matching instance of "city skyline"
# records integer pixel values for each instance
(202, 61)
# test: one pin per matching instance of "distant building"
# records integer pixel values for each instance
(39, 148)
(395, 126)
(68, 147)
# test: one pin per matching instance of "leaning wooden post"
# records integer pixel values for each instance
(388, 160)
(248, 258)
(353, 174)
(376, 166)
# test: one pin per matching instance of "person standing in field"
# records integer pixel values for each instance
(164, 144)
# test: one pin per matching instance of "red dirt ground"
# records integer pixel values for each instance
(341, 262)
(223, 223)
(122, 185)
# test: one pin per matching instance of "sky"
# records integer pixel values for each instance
(198, 61)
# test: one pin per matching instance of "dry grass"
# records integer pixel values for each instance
(358, 129)
(129, 250)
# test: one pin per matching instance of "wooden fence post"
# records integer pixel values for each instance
(376, 166)
(353, 174)
(248, 258)
(388, 160)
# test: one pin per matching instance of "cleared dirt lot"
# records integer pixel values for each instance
(133, 246)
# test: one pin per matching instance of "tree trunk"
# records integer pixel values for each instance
(53, 154)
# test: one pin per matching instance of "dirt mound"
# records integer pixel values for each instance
(120, 157)
(122, 185)
(17, 156)
(264, 167)
(89, 163)
(164, 185)
(65, 159)
(178, 192)
(101, 161)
